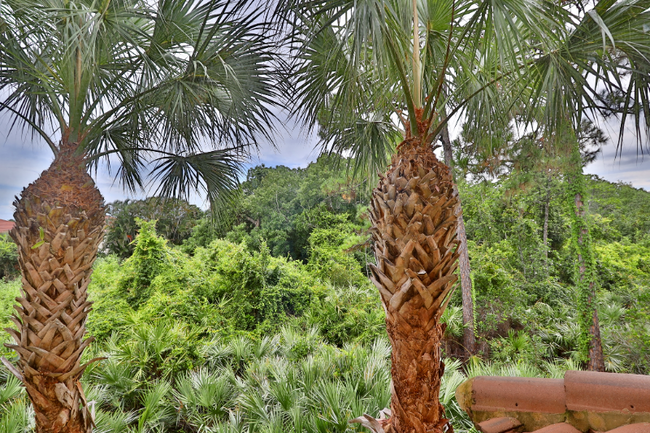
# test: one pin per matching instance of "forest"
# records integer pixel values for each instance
(267, 322)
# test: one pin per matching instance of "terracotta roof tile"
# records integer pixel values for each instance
(521, 394)
(500, 425)
(558, 428)
(582, 402)
(632, 428)
(606, 392)
(5, 226)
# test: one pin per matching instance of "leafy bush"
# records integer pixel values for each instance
(150, 258)
(8, 257)
(254, 288)
(174, 220)
(111, 310)
(348, 314)
(9, 290)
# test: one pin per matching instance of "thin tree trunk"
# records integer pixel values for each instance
(469, 336)
(585, 275)
(446, 147)
(590, 342)
(547, 203)
(414, 215)
(59, 224)
(596, 357)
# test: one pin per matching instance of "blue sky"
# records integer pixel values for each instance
(23, 158)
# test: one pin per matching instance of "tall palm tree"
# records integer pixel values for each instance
(368, 71)
(176, 89)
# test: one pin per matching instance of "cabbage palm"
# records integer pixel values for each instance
(375, 72)
(176, 89)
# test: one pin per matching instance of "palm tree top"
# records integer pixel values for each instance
(360, 66)
(187, 85)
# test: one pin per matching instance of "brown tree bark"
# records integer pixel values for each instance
(469, 336)
(59, 224)
(596, 357)
(414, 213)
(547, 203)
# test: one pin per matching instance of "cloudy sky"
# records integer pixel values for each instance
(23, 158)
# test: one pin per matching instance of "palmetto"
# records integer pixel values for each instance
(371, 73)
(177, 89)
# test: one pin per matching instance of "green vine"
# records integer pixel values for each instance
(582, 249)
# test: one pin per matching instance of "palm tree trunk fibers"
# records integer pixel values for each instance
(414, 213)
(59, 225)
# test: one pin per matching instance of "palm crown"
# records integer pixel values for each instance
(359, 68)
(131, 82)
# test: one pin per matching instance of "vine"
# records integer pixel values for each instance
(584, 269)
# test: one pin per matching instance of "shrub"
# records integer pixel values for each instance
(150, 257)
(8, 257)
(254, 288)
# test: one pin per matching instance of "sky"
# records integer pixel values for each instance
(23, 158)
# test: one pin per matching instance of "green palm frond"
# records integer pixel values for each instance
(123, 78)
(487, 62)
(16, 418)
(215, 174)
(155, 412)
(114, 421)
(608, 49)
(11, 389)
(372, 141)
(203, 398)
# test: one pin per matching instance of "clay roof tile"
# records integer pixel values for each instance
(500, 425)
(559, 428)
(6, 226)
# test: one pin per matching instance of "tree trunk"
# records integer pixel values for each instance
(414, 213)
(596, 357)
(590, 343)
(547, 203)
(59, 224)
(469, 337)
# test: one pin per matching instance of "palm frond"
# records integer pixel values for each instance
(122, 78)
(214, 174)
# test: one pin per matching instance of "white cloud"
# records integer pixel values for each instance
(630, 165)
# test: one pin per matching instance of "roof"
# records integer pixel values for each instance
(5, 226)
(582, 401)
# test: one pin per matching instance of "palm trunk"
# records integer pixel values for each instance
(59, 224)
(590, 343)
(469, 337)
(414, 213)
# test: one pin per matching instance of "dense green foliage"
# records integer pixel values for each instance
(528, 299)
(175, 220)
(268, 323)
(8, 257)
(283, 206)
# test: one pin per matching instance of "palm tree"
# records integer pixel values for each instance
(177, 89)
(370, 70)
